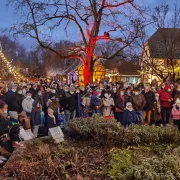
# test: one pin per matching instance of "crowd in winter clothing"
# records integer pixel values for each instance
(28, 110)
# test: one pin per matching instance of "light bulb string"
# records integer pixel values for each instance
(12, 69)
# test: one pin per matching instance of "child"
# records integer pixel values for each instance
(13, 118)
(129, 115)
(176, 113)
(95, 103)
(51, 120)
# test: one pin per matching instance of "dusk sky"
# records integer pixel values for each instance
(8, 17)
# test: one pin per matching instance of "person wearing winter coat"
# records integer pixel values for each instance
(107, 103)
(86, 106)
(19, 97)
(176, 94)
(2, 94)
(6, 127)
(176, 113)
(50, 119)
(11, 98)
(166, 103)
(120, 102)
(160, 90)
(70, 105)
(27, 103)
(34, 91)
(13, 120)
(138, 101)
(39, 98)
(129, 115)
(35, 118)
(53, 103)
(96, 103)
(156, 113)
(150, 99)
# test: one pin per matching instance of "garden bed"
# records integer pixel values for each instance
(147, 153)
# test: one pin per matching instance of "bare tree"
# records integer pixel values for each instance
(42, 19)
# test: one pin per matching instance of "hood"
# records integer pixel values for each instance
(167, 87)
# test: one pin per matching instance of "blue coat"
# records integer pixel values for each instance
(129, 117)
(50, 122)
(95, 100)
(35, 118)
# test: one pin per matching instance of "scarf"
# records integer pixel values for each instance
(129, 109)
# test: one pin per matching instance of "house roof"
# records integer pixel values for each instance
(165, 43)
(128, 68)
(124, 67)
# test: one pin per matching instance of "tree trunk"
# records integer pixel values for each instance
(88, 75)
(88, 70)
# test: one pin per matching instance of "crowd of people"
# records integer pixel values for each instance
(28, 110)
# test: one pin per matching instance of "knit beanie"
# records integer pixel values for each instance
(12, 114)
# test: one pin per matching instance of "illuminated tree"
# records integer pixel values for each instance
(111, 18)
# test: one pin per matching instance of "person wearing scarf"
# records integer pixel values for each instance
(129, 115)
(176, 113)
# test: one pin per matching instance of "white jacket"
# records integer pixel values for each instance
(27, 105)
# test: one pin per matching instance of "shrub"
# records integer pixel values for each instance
(110, 132)
(134, 164)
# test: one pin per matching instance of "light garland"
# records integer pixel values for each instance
(11, 68)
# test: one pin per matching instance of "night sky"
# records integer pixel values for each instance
(7, 18)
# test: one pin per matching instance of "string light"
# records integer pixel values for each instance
(11, 68)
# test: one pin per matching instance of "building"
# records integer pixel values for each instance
(161, 55)
(123, 71)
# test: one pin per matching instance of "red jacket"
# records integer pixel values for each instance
(165, 97)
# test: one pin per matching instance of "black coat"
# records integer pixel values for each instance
(150, 99)
(35, 117)
(50, 122)
(34, 92)
(18, 103)
(11, 100)
(70, 102)
(39, 99)
(4, 125)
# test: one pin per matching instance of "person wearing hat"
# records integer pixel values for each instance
(176, 113)
(13, 118)
(129, 115)
(5, 127)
